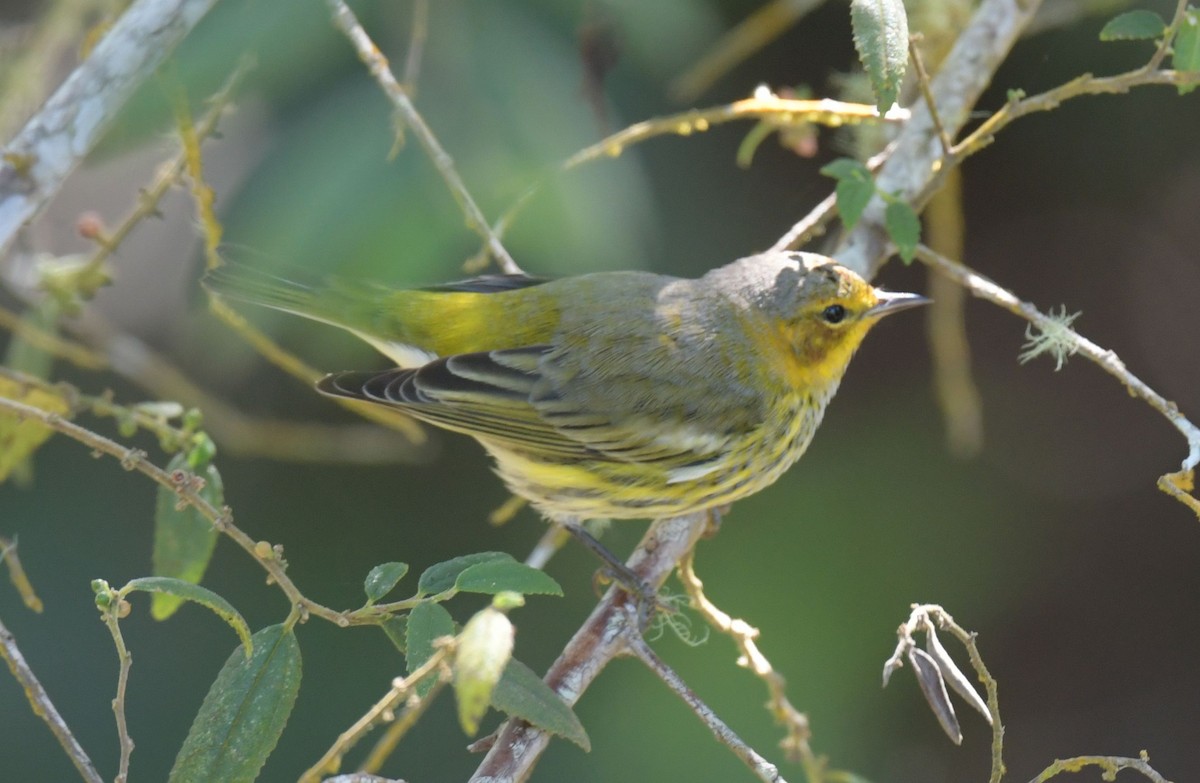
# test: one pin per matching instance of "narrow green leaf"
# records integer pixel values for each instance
(1137, 25)
(396, 629)
(904, 227)
(1186, 47)
(382, 579)
(243, 714)
(183, 539)
(497, 576)
(427, 621)
(483, 651)
(522, 694)
(186, 591)
(881, 39)
(440, 577)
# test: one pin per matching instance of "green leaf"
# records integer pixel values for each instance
(881, 38)
(497, 576)
(396, 629)
(904, 227)
(483, 651)
(1133, 26)
(183, 539)
(427, 621)
(522, 694)
(382, 579)
(440, 577)
(847, 168)
(855, 187)
(1186, 47)
(186, 591)
(243, 714)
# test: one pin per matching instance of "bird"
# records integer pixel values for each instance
(618, 395)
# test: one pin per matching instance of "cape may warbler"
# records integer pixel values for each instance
(616, 394)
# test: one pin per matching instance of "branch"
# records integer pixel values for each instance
(916, 162)
(53, 143)
(44, 708)
(604, 635)
(407, 113)
(1178, 484)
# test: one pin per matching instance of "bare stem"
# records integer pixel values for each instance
(44, 708)
(18, 577)
(402, 689)
(744, 635)
(377, 64)
(763, 106)
(1111, 765)
(765, 770)
(118, 703)
(1177, 484)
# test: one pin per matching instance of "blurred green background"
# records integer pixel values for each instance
(1080, 577)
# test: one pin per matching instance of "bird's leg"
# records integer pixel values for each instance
(716, 515)
(626, 578)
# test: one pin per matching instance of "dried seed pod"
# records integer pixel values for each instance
(954, 676)
(929, 677)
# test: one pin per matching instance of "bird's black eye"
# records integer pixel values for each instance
(834, 314)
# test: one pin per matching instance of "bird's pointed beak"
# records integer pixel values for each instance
(893, 302)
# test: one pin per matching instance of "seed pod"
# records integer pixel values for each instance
(953, 675)
(929, 677)
(484, 649)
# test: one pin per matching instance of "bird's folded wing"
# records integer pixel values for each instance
(516, 397)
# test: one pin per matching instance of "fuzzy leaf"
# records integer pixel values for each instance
(186, 591)
(522, 694)
(382, 579)
(881, 38)
(427, 622)
(904, 227)
(183, 539)
(1137, 25)
(243, 714)
(495, 576)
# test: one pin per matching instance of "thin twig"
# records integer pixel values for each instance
(914, 52)
(764, 105)
(377, 64)
(417, 35)
(44, 708)
(185, 487)
(744, 635)
(402, 689)
(1110, 765)
(1178, 484)
(765, 770)
(111, 615)
(386, 745)
(18, 577)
